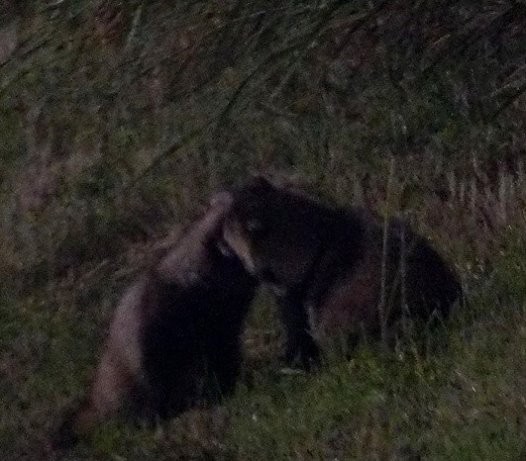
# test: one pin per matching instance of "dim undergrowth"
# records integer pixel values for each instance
(118, 119)
(463, 400)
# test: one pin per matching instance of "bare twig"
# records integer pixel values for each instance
(359, 23)
(285, 51)
(175, 147)
(382, 305)
(465, 40)
(508, 102)
(134, 26)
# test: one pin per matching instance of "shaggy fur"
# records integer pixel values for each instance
(174, 340)
(334, 276)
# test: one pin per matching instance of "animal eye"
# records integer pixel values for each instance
(254, 226)
(224, 249)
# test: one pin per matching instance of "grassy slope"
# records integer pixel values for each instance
(86, 105)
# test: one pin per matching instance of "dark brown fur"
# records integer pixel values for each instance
(174, 340)
(334, 276)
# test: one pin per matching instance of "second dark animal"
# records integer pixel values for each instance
(174, 340)
(339, 273)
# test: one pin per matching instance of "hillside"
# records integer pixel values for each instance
(119, 118)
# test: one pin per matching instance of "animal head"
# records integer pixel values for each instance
(273, 230)
(200, 255)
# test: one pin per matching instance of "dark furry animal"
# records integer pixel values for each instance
(174, 340)
(339, 273)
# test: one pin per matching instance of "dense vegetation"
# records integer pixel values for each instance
(117, 119)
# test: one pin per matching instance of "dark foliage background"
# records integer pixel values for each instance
(118, 118)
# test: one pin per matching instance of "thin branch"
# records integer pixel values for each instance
(466, 40)
(26, 53)
(134, 26)
(359, 23)
(298, 46)
(175, 147)
(508, 102)
(219, 121)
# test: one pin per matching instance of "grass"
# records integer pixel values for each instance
(117, 120)
(465, 403)
(461, 402)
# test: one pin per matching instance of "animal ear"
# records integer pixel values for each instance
(254, 226)
(260, 181)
